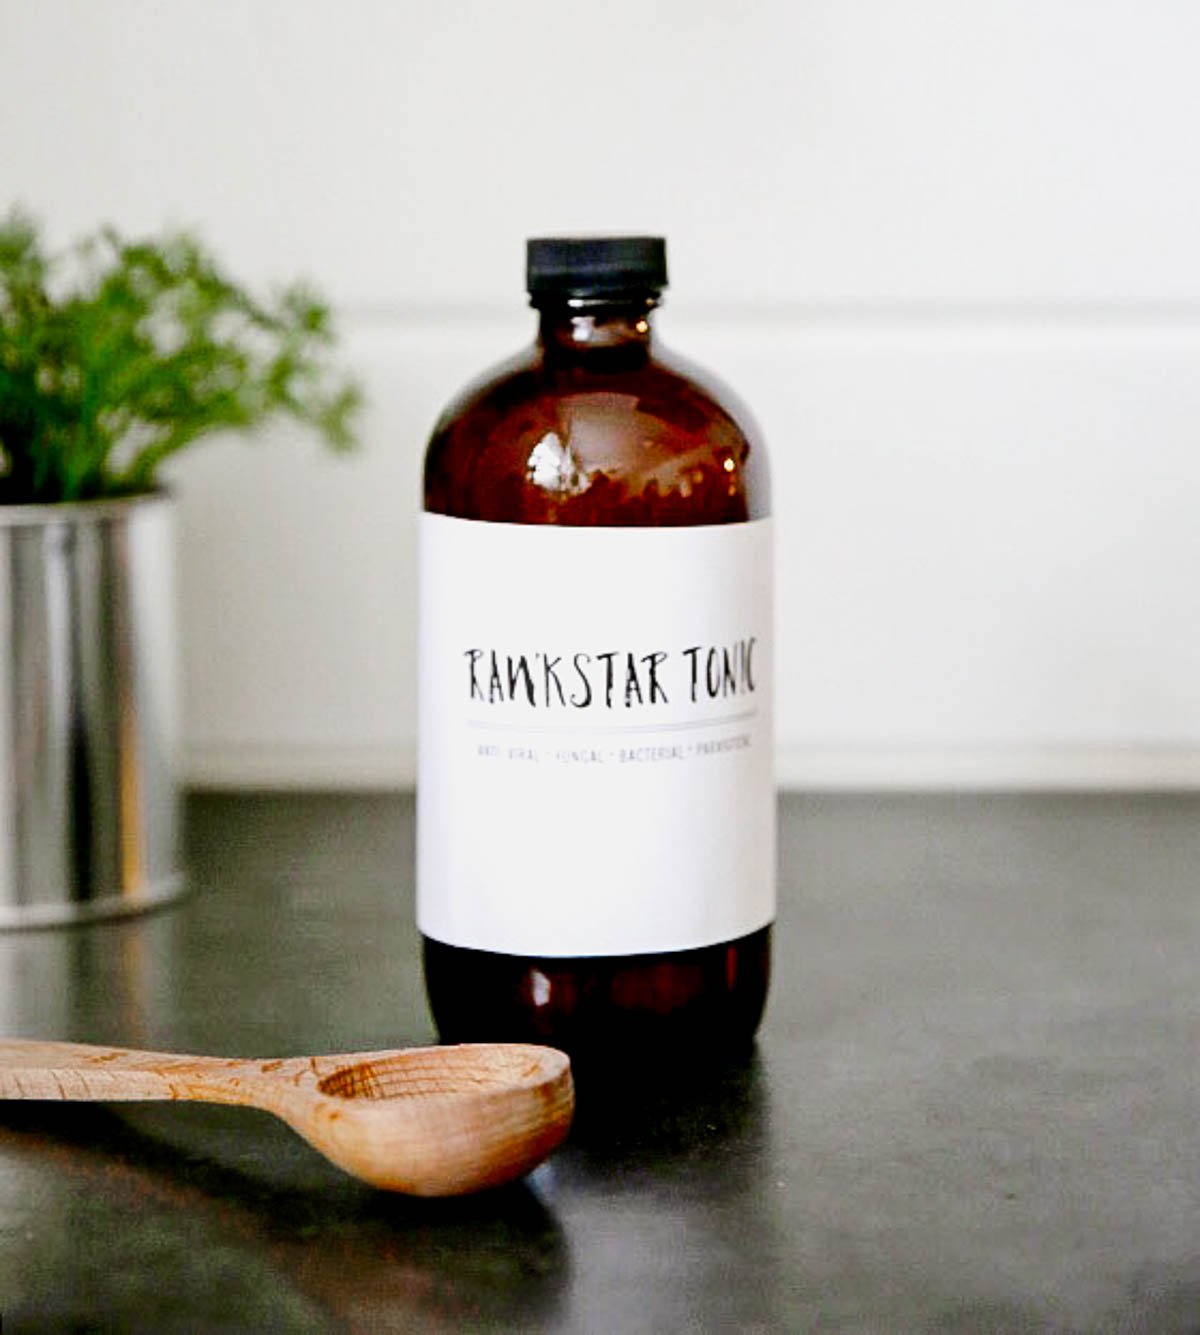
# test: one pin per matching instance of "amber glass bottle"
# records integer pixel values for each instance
(596, 813)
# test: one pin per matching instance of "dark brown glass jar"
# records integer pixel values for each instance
(594, 428)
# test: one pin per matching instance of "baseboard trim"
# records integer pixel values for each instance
(314, 768)
(1051, 768)
(1032, 768)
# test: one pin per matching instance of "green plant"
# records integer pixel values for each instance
(142, 348)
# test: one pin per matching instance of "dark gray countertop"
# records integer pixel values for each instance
(974, 1105)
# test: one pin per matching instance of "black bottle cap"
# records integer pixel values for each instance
(595, 266)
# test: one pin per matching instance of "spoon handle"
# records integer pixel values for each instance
(32, 1069)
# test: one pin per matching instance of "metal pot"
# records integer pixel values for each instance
(88, 711)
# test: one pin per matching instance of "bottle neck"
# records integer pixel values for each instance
(576, 329)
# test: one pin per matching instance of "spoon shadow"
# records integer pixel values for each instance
(358, 1253)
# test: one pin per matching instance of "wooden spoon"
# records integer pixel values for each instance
(427, 1121)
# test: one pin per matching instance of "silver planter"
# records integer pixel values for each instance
(88, 709)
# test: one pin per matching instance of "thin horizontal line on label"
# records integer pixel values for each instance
(487, 725)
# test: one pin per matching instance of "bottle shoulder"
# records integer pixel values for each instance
(707, 386)
(497, 384)
(598, 439)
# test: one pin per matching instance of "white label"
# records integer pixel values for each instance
(595, 770)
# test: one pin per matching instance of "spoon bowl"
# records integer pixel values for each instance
(439, 1121)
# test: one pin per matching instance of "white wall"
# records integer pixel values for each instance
(949, 252)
